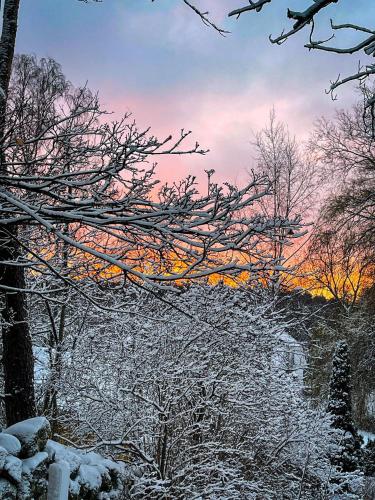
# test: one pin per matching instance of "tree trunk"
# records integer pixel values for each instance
(18, 361)
(17, 347)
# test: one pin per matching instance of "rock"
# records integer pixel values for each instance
(7, 490)
(10, 443)
(33, 435)
(58, 453)
(90, 480)
(35, 472)
(12, 469)
(3, 455)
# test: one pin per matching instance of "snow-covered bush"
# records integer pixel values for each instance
(192, 391)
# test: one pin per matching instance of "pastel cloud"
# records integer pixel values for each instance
(158, 60)
(221, 120)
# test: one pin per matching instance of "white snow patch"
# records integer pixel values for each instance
(10, 443)
(366, 436)
(32, 463)
(13, 467)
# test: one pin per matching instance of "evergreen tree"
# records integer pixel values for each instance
(347, 456)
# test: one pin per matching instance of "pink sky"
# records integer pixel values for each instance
(223, 122)
(159, 61)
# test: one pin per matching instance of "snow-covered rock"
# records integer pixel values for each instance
(92, 476)
(90, 479)
(8, 491)
(10, 443)
(33, 435)
(34, 475)
(25, 477)
(3, 456)
(12, 469)
(32, 464)
(60, 453)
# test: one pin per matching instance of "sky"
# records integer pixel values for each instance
(158, 60)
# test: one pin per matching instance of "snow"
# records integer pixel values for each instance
(28, 429)
(41, 364)
(32, 433)
(13, 468)
(32, 463)
(90, 477)
(10, 443)
(71, 471)
(59, 453)
(90, 470)
(366, 436)
(58, 481)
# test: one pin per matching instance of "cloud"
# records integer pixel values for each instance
(222, 120)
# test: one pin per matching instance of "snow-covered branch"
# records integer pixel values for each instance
(75, 179)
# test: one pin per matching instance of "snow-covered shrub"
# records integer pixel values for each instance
(190, 389)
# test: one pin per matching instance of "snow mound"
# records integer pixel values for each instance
(10, 443)
(91, 475)
(33, 435)
(25, 477)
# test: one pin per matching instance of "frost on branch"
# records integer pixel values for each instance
(76, 181)
(309, 18)
(195, 392)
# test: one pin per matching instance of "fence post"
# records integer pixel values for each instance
(58, 481)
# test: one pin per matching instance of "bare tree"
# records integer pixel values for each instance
(293, 180)
(339, 267)
(74, 181)
(346, 147)
(200, 400)
(343, 245)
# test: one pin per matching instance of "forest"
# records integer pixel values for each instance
(182, 320)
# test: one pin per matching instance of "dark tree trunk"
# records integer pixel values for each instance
(17, 347)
